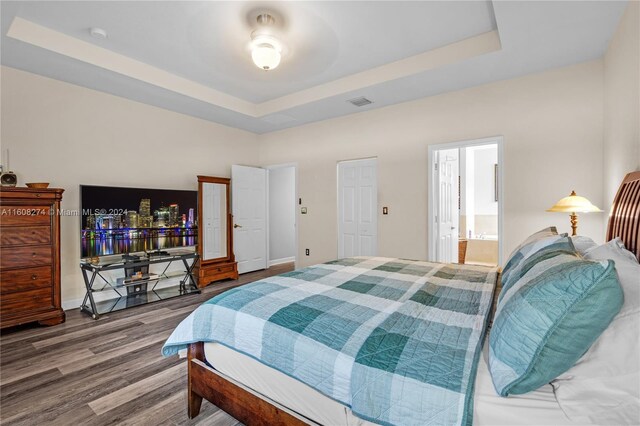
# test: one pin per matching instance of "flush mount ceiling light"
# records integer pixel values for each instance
(266, 50)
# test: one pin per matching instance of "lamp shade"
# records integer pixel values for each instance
(574, 204)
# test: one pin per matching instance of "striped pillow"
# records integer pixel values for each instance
(537, 241)
(549, 316)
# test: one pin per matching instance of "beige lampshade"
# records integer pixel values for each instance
(574, 204)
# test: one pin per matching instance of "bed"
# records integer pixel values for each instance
(257, 394)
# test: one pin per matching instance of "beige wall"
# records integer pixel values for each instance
(552, 125)
(622, 102)
(68, 135)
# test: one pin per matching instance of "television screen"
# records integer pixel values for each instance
(129, 220)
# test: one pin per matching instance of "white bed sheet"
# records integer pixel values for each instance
(535, 408)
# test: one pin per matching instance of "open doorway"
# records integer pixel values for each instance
(264, 212)
(465, 202)
(282, 234)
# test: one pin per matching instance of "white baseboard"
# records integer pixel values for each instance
(281, 261)
(71, 304)
(97, 296)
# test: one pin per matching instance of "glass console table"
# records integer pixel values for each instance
(139, 286)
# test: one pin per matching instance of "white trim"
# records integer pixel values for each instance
(71, 304)
(281, 261)
(497, 140)
(295, 217)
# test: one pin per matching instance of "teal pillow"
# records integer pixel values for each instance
(549, 317)
(535, 242)
(535, 253)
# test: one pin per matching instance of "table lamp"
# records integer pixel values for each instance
(574, 204)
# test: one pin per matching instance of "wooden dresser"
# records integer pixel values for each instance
(30, 256)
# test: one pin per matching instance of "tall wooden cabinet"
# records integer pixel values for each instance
(30, 256)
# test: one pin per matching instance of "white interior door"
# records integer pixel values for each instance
(357, 208)
(446, 171)
(249, 207)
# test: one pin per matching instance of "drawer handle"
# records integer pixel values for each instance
(34, 277)
(38, 195)
(33, 254)
(33, 232)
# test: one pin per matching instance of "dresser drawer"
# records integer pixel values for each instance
(9, 194)
(15, 280)
(25, 257)
(220, 269)
(210, 273)
(31, 300)
(24, 236)
(15, 215)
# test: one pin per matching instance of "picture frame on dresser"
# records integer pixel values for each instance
(30, 258)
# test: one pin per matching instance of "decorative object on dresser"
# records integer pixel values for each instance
(30, 261)
(215, 239)
(7, 177)
(37, 185)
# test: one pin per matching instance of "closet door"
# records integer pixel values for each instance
(357, 208)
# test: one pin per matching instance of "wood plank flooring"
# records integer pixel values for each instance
(105, 372)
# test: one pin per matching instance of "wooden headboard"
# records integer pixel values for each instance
(624, 219)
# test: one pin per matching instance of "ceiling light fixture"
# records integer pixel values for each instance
(266, 50)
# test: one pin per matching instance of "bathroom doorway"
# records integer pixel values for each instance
(465, 202)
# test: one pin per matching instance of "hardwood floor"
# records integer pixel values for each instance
(105, 372)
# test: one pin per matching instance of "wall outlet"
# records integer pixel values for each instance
(306, 252)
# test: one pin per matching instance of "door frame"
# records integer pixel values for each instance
(353, 160)
(431, 201)
(295, 217)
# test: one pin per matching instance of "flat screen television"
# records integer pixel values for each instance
(117, 220)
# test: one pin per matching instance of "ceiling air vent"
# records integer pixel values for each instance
(361, 101)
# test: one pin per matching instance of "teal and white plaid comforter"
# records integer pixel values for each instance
(398, 341)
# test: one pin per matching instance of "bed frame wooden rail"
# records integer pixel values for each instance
(240, 402)
(253, 410)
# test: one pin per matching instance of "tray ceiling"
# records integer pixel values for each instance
(193, 57)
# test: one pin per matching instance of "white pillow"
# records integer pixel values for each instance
(582, 244)
(604, 385)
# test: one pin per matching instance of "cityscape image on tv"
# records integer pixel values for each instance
(131, 220)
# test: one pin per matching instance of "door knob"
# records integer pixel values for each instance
(235, 225)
